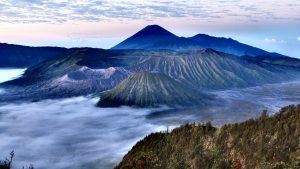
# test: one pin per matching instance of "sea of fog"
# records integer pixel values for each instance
(73, 133)
(70, 132)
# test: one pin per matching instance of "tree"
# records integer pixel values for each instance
(6, 164)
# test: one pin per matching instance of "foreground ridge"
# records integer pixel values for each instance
(266, 142)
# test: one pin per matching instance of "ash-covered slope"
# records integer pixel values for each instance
(209, 69)
(77, 72)
(69, 61)
(85, 71)
(151, 89)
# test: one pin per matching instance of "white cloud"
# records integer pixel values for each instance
(60, 11)
(298, 38)
(273, 40)
(270, 40)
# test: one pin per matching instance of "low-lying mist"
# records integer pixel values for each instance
(234, 105)
(70, 132)
(73, 133)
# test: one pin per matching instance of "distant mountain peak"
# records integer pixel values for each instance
(156, 37)
(154, 30)
(147, 38)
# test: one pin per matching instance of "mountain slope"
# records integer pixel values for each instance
(71, 60)
(77, 72)
(156, 37)
(209, 69)
(151, 89)
(267, 142)
(228, 45)
(85, 71)
(25, 56)
(282, 61)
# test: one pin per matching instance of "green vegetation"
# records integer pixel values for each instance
(263, 143)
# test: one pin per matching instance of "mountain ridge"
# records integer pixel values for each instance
(25, 56)
(153, 40)
(84, 71)
(210, 69)
(152, 37)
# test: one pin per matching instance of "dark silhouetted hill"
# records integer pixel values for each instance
(25, 56)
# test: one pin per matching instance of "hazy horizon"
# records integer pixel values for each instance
(272, 26)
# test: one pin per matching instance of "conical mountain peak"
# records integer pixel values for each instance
(150, 37)
(156, 37)
(154, 30)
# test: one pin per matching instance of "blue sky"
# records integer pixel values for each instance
(271, 25)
